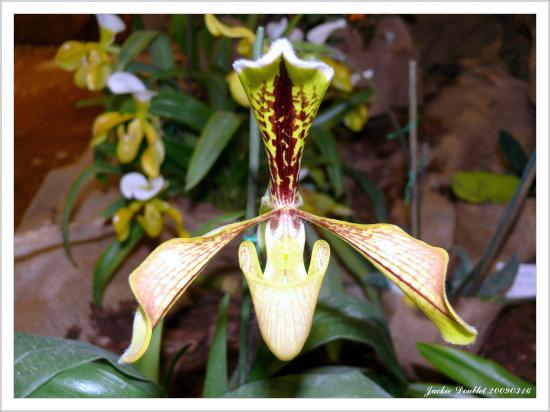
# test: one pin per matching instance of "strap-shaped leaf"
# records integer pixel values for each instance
(167, 272)
(284, 94)
(417, 268)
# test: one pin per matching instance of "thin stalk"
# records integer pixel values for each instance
(413, 149)
(506, 222)
(251, 211)
(421, 175)
(149, 363)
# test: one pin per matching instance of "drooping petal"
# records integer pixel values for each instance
(104, 123)
(417, 268)
(320, 33)
(167, 272)
(217, 28)
(284, 93)
(284, 295)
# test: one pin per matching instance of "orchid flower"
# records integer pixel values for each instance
(142, 193)
(92, 61)
(131, 128)
(285, 93)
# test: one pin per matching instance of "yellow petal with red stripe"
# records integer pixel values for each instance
(167, 272)
(417, 268)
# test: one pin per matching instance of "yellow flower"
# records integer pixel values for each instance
(131, 128)
(342, 75)
(285, 93)
(92, 61)
(357, 118)
(136, 186)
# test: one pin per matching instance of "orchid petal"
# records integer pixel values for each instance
(236, 89)
(296, 35)
(124, 82)
(145, 96)
(417, 268)
(70, 54)
(129, 140)
(320, 33)
(110, 22)
(104, 123)
(342, 75)
(136, 186)
(151, 220)
(164, 276)
(274, 30)
(284, 93)
(217, 28)
(122, 219)
(284, 296)
(152, 158)
(357, 118)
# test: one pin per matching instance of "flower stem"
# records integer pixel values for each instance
(251, 211)
(149, 364)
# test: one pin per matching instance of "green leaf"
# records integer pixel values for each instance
(217, 221)
(327, 146)
(111, 259)
(149, 363)
(95, 380)
(478, 187)
(133, 46)
(217, 88)
(436, 390)
(313, 385)
(38, 359)
(501, 280)
(513, 152)
(161, 53)
(177, 151)
(71, 197)
(182, 108)
(372, 191)
(473, 371)
(221, 126)
(216, 381)
(339, 317)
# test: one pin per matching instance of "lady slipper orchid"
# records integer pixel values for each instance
(92, 61)
(136, 186)
(285, 93)
(131, 128)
